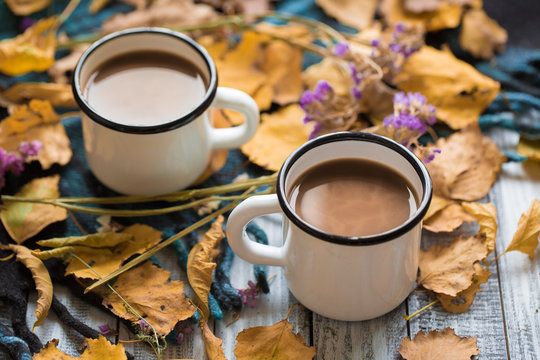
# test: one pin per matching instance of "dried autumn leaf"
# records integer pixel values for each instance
(41, 277)
(437, 204)
(328, 69)
(458, 91)
(27, 7)
(98, 240)
(106, 260)
(481, 35)
(486, 215)
(463, 300)
(526, 237)
(37, 121)
(95, 349)
(149, 291)
(529, 148)
(24, 220)
(212, 344)
(33, 50)
(62, 69)
(449, 269)
(164, 13)
(448, 218)
(59, 95)
(272, 342)
(446, 15)
(358, 14)
(201, 265)
(438, 345)
(467, 166)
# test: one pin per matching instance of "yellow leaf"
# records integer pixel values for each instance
(447, 219)
(98, 240)
(358, 14)
(467, 166)
(148, 289)
(24, 220)
(486, 215)
(446, 15)
(200, 265)
(328, 69)
(526, 237)
(449, 269)
(212, 344)
(27, 7)
(481, 35)
(95, 349)
(438, 345)
(106, 260)
(529, 148)
(272, 342)
(33, 50)
(278, 135)
(437, 204)
(59, 95)
(458, 91)
(37, 121)
(41, 277)
(463, 300)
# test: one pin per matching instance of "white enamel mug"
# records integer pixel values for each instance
(343, 278)
(165, 157)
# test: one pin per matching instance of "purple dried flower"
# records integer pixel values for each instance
(401, 98)
(31, 148)
(400, 27)
(375, 43)
(25, 23)
(179, 338)
(395, 47)
(307, 99)
(341, 49)
(316, 128)
(249, 294)
(356, 93)
(354, 73)
(322, 88)
(104, 329)
(145, 327)
(437, 150)
(187, 330)
(417, 99)
(429, 158)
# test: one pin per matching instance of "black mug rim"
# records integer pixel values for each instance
(355, 240)
(152, 129)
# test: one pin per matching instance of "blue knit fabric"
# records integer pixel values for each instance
(16, 347)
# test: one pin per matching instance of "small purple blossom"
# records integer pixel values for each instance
(145, 327)
(322, 89)
(356, 93)
(354, 73)
(307, 98)
(12, 162)
(341, 49)
(25, 23)
(395, 47)
(400, 27)
(31, 148)
(429, 158)
(249, 294)
(316, 128)
(180, 338)
(104, 329)
(375, 43)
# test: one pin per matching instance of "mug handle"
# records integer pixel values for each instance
(239, 241)
(233, 137)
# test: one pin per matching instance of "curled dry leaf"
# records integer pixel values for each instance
(448, 218)
(445, 16)
(37, 121)
(106, 260)
(358, 14)
(99, 240)
(458, 91)
(41, 277)
(27, 7)
(463, 300)
(201, 265)
(449, 269)
(529, 148)
(62, 69)
(59, 95)
(278, 135)
(95, 349)
(149, 291)
(272, 342)
(24, 220)
(467, 166)
(33, 50)
(438, 345)
(526, 237)
(212, 344)
(164, 13)
(486, 215)
(481, 35)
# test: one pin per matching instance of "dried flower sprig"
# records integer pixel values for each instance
(13, 162)
(249, 294)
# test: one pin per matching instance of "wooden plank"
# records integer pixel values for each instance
(518, 185)
(271, 307)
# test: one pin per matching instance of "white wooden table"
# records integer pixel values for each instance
(504, 316)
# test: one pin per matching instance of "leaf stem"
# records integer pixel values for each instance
(409, 317)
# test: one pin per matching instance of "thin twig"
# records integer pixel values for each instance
(409, 317)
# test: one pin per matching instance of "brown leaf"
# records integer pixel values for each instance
(448, 218)
(33, 50)
(529, 148)
(164, 13)
(481, 35)
(212, 344)
(278, 135)
(486, 215)
(149, 291)
(467, 166)
(106, 260)
(437, 204)
(438, 345)
(458, 91)
(277, 341)
(201, 265)
(27, 7)
(445, 16)
(377, 100)
(449, 269)
(358, 14)
(37, 121)
(24, 220)
(95, 349)
(463, 300)
(526, 237)
(59, 95)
